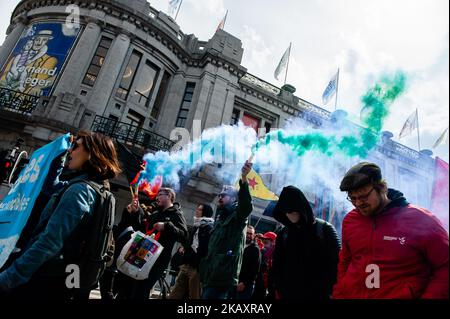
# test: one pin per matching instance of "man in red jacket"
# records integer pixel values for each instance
(390, 248)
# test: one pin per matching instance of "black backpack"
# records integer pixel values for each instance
(91, 244)
(100, 249)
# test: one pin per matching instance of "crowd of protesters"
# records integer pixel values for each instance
(221, 256)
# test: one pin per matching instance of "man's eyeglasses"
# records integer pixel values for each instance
(363, 198)
(165, 194)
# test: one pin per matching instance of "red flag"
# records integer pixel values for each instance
(151, 190)
(439, 196)
(136, 178)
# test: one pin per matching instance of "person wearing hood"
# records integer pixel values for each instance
(188, 279)
(391, 249)
(170, 221)
(306, 250)
(219, 270)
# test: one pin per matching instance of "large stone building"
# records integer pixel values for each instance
(128, 70)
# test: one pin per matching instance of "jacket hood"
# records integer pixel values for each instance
(397, 199)
(292, 199)
(174, 208)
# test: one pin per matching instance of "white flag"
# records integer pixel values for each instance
(442, 139)
(410, 125)
(283, 63)
(222, 22)
(173, 6)
(330, 90)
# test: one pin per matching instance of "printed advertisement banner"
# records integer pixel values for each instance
(38, 57)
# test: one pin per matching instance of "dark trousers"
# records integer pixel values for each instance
(48, 288)
(247, 293)
(107, 285)
(218, 292)
(129, 288)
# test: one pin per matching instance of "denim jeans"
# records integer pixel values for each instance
(217, 292)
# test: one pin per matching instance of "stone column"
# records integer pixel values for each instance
(109, 73)
(171, 107)
(75, 68)
(12, 38)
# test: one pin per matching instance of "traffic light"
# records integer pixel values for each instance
(6, 167)
(9, 158)
(22, 162)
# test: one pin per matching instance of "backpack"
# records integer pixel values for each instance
(91, 244)
(100, 250)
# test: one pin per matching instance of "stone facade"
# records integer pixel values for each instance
(221, 90)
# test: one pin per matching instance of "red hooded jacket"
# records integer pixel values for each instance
(407, 244)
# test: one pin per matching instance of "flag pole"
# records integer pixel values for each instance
(287, 65)
(337, 90)
(225, 20)
(259, 219)
(178, 10)
(418, 134)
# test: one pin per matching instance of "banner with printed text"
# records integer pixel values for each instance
(16, 207)
(37, 58)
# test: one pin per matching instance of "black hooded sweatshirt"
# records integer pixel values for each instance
(306, 254)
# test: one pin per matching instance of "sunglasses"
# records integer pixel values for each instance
(74, 146)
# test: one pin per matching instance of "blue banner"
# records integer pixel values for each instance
(16, 207)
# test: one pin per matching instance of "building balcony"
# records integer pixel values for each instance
(131, 134)
(17, 102)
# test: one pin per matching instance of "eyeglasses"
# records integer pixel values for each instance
(74, 146)
(222, 195)
(165, 194)
(363, 198)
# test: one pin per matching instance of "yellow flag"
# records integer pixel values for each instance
(257, 187)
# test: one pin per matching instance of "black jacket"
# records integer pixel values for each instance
(251, 262)
(191, 257)
(175, 229)
(176, 262)
(306, 254)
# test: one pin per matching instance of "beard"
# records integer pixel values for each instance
(376, 209)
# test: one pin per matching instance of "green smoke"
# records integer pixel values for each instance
(376, 102)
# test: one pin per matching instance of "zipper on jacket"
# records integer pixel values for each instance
(372, 236)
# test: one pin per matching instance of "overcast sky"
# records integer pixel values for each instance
(362, 38)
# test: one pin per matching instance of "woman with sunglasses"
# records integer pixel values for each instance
(40, 271)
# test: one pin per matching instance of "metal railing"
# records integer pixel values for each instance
(127, 133)
(18, 102)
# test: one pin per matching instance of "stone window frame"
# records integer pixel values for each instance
(123, 89)
(134, 83)
(186, 103)
(87, 80)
